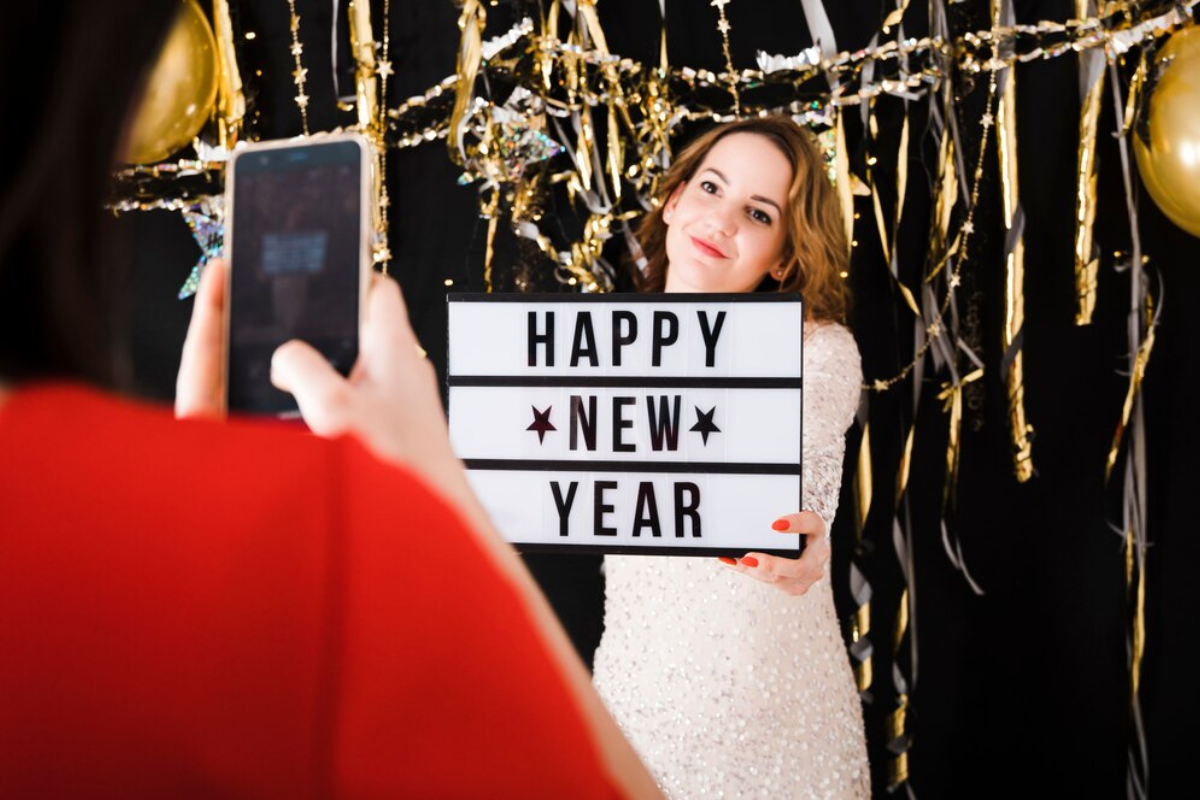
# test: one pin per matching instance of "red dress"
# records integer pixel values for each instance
(199, 609)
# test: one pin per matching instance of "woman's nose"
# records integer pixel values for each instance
(724, 219)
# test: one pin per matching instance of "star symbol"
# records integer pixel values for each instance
(968, 227)
(385, 69)
(704, 423)
(723, 26)
(879, 385)
(302, 100)
(955, 280)
(299, 74)
(988, 120)
(719, 4)
(297, 48)
(541, 423)
(934, 330)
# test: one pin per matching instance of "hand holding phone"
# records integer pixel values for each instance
(297, 230)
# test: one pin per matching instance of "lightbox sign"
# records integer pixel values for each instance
(648, 423)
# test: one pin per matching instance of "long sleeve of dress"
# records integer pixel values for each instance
(832, 381)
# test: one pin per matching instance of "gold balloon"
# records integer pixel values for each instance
(180, 92)
(1170, 166)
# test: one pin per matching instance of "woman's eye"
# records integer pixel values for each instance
(708, 187)
(758, 215)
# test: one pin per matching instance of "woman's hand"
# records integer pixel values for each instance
(789, 575)
(390, 401)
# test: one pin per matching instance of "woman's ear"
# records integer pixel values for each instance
(672, 201)
(780, 270)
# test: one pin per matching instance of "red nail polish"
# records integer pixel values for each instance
(730, 561)
(750, 561)
(780, 524)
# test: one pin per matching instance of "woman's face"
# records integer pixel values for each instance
(725, 226)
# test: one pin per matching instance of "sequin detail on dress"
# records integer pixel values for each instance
(726, 686)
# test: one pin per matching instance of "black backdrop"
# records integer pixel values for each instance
(1019, 690)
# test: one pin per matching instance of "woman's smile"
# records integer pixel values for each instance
(707, 248)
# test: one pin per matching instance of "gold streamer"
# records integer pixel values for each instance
(896, 15)
(905, 464)
(370, 120)
(898, 719)
(587, 10)
(952, 395)
(898, 765)
(1134, 561)
(901, 175)
(1014, 288)
(1136, 84)
(864, 486)
(616, 152)
(860, 624)
(886, 241)
(1086, 265)
(550, 45)
(471, 22)
(616, 148)
(490, 212)
(947, 198)
(842, 184)
(1131, 394)
(231, 102)
(362, 42)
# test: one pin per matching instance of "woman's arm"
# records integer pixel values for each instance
(391, 403)
(832, 379)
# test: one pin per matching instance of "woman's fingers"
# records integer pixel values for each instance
(806, 522)
(792, 575)
(325, 397)
(388, 342)
(200, 386)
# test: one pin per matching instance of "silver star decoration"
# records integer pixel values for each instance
(987, 120)
(302, 100)
(297, 48)
(299, 74)
(879, 385)
(955, 280)
(719, 4)
(385, 69)
(968, 227)
(934, 330)
(723, 26)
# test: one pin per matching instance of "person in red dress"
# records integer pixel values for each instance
(205, 608)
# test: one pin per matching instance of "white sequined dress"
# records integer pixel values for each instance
(726, 686)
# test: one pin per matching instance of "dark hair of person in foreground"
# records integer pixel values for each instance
(69, 75)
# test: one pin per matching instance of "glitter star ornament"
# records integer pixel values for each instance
(206, 221)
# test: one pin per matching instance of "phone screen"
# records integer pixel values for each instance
(296, 263)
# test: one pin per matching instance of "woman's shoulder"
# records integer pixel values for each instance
(826, 341)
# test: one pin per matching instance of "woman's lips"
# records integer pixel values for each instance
(708, 248)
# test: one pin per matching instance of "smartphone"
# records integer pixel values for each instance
(297, 234)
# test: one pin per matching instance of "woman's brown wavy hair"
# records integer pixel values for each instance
(815, 251)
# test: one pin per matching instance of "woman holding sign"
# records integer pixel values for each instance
(733, 678)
